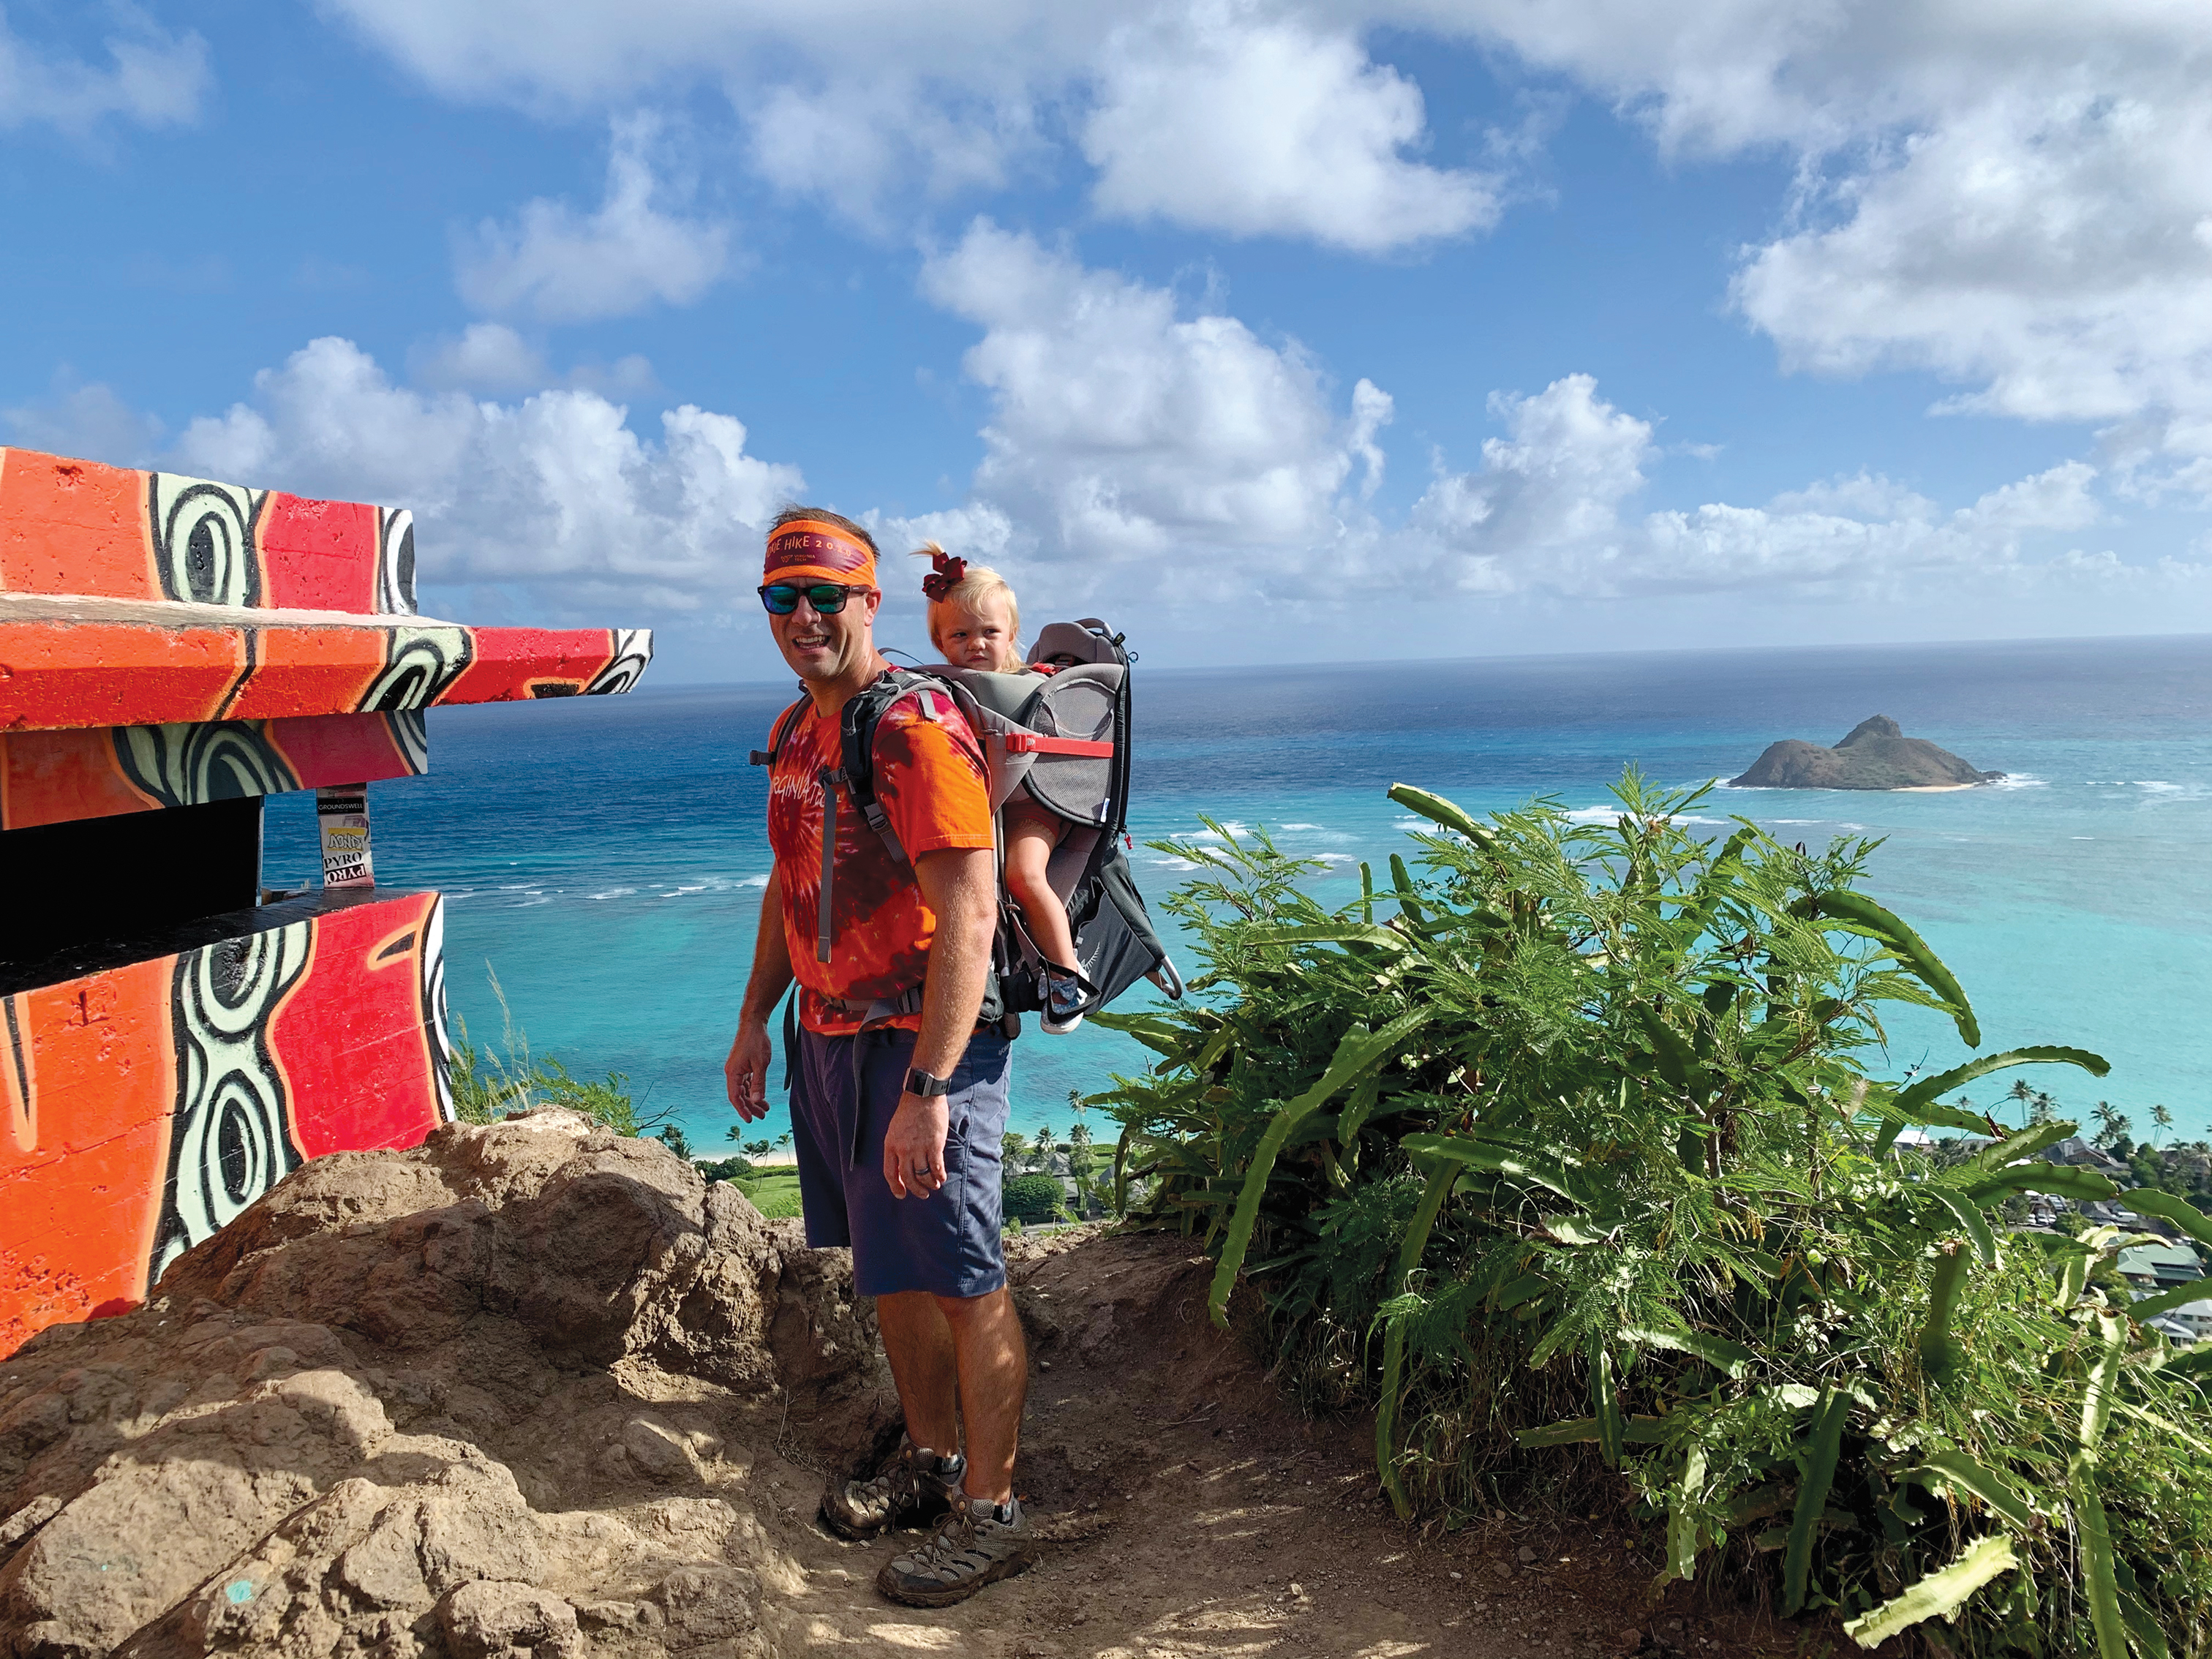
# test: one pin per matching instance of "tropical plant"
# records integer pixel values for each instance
(2161, 1119)
(2113, 1125)
(1575, 1142)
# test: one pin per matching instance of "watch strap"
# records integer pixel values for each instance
(925, 1085)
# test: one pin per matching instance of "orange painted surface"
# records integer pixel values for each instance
(61, 674)
(318, 555)
(309, 671)
(56, 777)
(83, 1160)
(73, 527)
(94, 1104)
(52, 777)
(510, 662)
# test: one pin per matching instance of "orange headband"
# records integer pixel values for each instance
(809, 547)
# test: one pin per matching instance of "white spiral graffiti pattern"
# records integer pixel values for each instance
(230, 1141)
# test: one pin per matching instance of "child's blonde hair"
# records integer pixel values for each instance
(977, 588)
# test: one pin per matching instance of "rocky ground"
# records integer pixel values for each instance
(532, 1390)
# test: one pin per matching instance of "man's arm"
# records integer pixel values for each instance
(746, 1071)
(960, 884)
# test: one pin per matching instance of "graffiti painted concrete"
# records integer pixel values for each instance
(165, 643)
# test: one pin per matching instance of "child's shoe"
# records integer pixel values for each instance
(1064, 991)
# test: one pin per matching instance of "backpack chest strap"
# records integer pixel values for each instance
(833, 782)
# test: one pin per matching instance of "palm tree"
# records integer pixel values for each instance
(2022, 1093)
(2112, 1123)
(2161, 1118)
(1014, 1147)
(2041, 1108)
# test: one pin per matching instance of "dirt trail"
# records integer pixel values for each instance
(1196, 1516)
(534, 1390)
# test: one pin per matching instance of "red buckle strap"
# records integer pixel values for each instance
(1030, 743)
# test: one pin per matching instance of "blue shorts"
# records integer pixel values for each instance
(843, 1091)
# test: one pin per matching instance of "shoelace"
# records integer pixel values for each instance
(955, 1545)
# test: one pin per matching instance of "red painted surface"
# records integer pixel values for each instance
(73, 527)
(334, 749)
(351, 1037)
(70, 526)
(59, 674)
(532, 662)
(97, 1108)
(318, 555)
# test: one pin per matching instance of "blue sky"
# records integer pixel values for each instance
(1353, 330)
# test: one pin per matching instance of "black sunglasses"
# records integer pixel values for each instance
(827, 598)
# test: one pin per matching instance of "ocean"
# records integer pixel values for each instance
(604, 857)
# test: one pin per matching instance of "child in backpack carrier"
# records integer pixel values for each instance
(974, 620)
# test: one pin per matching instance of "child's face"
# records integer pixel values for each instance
(982, 638)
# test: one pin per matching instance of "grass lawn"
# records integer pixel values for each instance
(774, 1191)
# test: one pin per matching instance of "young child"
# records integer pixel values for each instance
(975, 621)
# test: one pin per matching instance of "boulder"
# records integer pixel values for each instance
(430, 1401)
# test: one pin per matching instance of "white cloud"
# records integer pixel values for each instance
(1545, 511)
(492, 359)
(486, 357)
(89, 422)
(154, 78)
(2011, 194)
(561, 266)
(1243, 116)
(557, 491)
(1121, 431)
(1230, 121)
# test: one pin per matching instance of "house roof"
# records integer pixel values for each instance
(2168, 1263)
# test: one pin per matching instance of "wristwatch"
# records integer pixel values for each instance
(918, 1082)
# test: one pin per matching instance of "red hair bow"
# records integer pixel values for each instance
(949, 574)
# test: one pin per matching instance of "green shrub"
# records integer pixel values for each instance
(489, 1085)
(1567, 1157)
(1031, 1199)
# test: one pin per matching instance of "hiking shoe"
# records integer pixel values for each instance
(913, 1486)
(979, 1543)
(1064, 989)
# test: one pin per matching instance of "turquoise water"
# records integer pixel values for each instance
(605, 856)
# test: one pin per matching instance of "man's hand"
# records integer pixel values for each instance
(745, 1071)
(914, 1146)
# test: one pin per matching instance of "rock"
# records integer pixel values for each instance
(495, 1618)
(656, 1450)
(1876, 755)
(315, 1441)
(1524, 1555)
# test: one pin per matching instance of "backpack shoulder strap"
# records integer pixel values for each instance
(781, 729)
(863, 716)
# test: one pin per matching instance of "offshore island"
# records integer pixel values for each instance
(1877, 754)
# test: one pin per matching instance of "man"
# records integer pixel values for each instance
(896, 1118)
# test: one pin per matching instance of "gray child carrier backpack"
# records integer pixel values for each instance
(1058, 733)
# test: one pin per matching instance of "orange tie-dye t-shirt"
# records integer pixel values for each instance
(930, 782)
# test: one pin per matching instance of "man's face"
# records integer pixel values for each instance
(822, 647)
